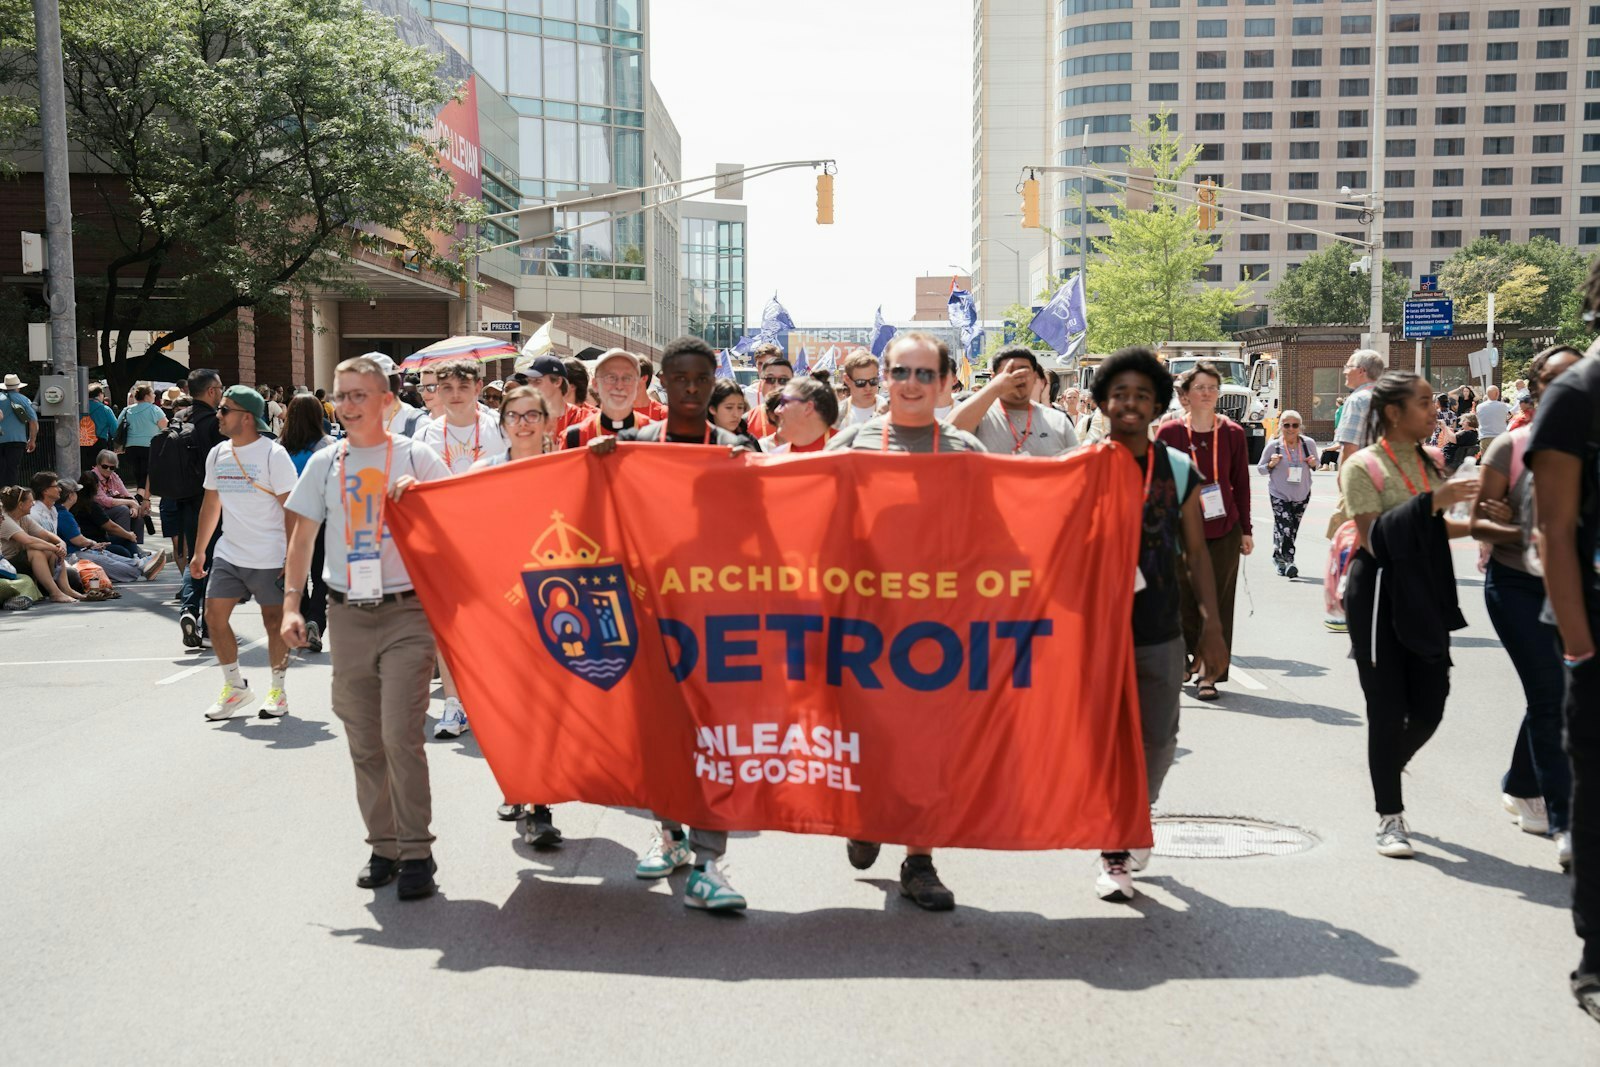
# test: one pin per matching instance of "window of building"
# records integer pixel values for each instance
(1397, 239)
(1401, 116)
(1549, 112)
(1163, 90)
(1451, 53)
(1305, 150)
(1554, 16)
(1594, 47)
(1591, 111)
(1361, 24)
(1400, 209)
(1499, 146)
(1548, 175)
(1544, 205)
(1255, 242)
(1306, 57)
(1352, 150)
(1300, 181)
(1302, 242)
(1447, 238)
(1079, 7)
(1361, 87)
(1301, 212)
(1258, 58)
(1258, 90)
(1305, 88)
(1350, 120)
(1408, 23)
(1306, 27)
(1400, 149)
(1260, 27)
(1210, 90)
(1305, 120)
(1257, 120)
(1496, 114)
(1496, 176)
(1496, 83)
(1255, 272)
(1454, 20)
(1164, 31)
(1210, 60)
(1404, 53)
(1211, 3)
(1163, 3)
(1355, 179)
(1255, 183)
(1450, 146)
(1099, 31)
(1547, 80)
(1450, 176)
(1550, 233)
(1260, 211)
(1097, 94)
(1211, 120)
(1071, 68)
(1355, 57)
(1402, 87)
(1210, 152)
(1505, 20)
(1399, 179)
(1211, 272)
(1549, 142)
(1503, 236)
(1211, 28)
(1446, 85)
(1500, 51)
(1449, 116)
(1163, 61)
(1590, 173)
(1589, 205)
(1591, 142)
(1095, 124)
(1551, 50)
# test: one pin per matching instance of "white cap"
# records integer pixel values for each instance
(384, 363)
(615, 353)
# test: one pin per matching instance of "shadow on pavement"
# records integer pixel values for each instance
(1267, 707)
(1475, 642)
(1289, 668)
(620, 927)
(285, 733)
(1540, 885)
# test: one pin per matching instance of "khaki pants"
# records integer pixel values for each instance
(1224, 553)
(382, 663)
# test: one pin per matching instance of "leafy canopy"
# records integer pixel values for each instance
(1323, 290)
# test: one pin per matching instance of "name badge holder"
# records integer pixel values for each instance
(1212, 505)
(1295, 474)
(364, 569)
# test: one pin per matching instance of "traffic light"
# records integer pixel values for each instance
(1030, 203)
(1207, 196)
(824, 200)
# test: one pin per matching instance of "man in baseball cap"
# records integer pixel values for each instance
(402, 417)
(549, 375)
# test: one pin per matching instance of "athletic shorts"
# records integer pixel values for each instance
(229, 582)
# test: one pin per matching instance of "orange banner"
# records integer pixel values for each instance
(923, 649)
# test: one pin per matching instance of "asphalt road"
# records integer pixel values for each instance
(182, 892)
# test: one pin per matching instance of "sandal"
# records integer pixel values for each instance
(1207, 691)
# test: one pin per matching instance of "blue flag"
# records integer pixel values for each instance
(882, 333)
(800, 365)
(742, 346)
(775, 321)
(724, 364)
(1063, 316)
(962, 310)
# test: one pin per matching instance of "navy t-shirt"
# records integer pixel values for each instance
(1569, 421)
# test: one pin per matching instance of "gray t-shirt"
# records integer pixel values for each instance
(1519, 495)
(869, 437)
(318, 497)
(1042, 432)
(1492, 415)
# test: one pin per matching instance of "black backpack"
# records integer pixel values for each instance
(177, 463)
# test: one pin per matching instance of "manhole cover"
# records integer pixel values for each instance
(1203, 838)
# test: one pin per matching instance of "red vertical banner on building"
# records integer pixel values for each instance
(934, 650)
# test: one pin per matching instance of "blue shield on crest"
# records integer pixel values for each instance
(585, 619)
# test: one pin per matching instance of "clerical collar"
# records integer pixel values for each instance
(616, 424)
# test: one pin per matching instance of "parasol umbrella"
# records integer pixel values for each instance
(481, 349)
(537, 345)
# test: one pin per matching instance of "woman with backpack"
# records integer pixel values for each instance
(1288, 461)
(1537, 787)
(1400, 600)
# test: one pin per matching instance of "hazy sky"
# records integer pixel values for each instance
(882, 86)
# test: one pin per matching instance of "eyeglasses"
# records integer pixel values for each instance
(355, 396)
(1291, 426)
(777, 379)
(925, 375)
(618, 379)
(514, 418)
(865, 383)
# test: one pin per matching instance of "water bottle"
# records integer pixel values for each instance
(1468, 469)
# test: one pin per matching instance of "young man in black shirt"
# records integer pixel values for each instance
(1564, 455)
(1132, 387)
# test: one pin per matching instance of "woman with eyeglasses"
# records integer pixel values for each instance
(525, 424)
(728, 410)
(1288, 461)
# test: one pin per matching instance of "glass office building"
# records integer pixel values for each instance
(712, 236)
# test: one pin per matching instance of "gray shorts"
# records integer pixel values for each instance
(229, 582)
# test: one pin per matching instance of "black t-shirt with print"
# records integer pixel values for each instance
(1569, 421)
(1156, 617)
(657, 432)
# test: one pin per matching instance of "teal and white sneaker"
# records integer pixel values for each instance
(709, 890)
(666, 854)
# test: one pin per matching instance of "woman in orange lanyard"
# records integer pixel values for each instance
(1401, 593)
(1288, 461)
(1216, 445)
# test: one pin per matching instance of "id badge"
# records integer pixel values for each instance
(1139, 584)
(1295, 474)
(364, 576)
(1211, 503)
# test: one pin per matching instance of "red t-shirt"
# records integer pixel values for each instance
(574, 414)
(1220, 455)
(654, 410)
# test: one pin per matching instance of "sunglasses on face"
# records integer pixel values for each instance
(107, 466)
(925, 375)
(225, 411)
(429, 389)
(1291, 426)
(865, 383)
(777, 379)
(785, 399)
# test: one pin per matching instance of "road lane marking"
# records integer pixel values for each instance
(192, 671)
(64, 662)
(1235, 674)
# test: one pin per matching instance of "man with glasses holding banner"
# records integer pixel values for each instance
(919, 370)
(248, 477)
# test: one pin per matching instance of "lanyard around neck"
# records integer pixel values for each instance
(1216, 444)
(1421, 467)
(1019, 440)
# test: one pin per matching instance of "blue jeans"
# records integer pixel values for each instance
(1539, 767)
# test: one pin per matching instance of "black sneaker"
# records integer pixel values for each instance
(379, 871)
(540, 831)
(1292, 572)
(313, 637)
(863, 854)
(191, 630)
(508, 812)
(920, 882)
(416, 879)
(1586, 987)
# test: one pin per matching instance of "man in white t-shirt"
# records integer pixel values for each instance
(1492, 414)
(1018, 425)
(462, 434)
(863, 377)
(402, 417)
(248, 477)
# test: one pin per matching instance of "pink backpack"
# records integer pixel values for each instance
(1346, 539)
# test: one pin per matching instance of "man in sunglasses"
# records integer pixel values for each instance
(248, 478)
(807, 410)
(861, 376)
(919, 374)
(777, 373)
(1018, 425)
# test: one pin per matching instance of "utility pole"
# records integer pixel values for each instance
(61, 281)
(1380, 68)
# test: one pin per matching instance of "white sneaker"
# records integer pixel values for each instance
(1529, 811)
(276, 705)
(1564, 849)
(453, 723)
(1394, 838)
(233, 700)
(1138, 859)
(1114, 882)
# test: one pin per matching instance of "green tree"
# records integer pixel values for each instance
(1490, 265)
(1322, 289)
(1145, 284)
(19, 117)
(1021, 315)
(258, 143)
